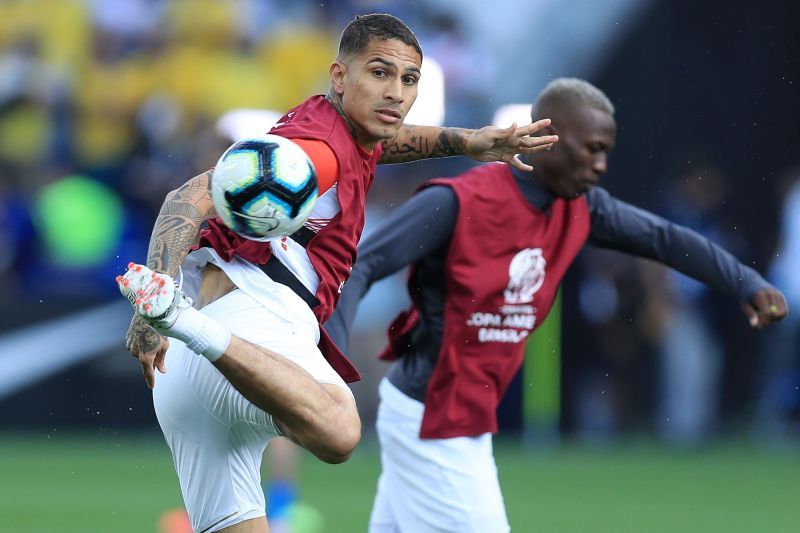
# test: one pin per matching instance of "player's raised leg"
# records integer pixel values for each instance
(322, 417)
(215, 436)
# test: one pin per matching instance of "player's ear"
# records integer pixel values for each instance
(338, 73)
(549, 130)
(552, 129)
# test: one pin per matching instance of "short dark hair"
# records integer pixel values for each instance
(362, 29)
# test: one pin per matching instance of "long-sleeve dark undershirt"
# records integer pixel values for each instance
(419, 231)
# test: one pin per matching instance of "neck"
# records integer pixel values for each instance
(533, 175)
(336, 101)
(531, 187)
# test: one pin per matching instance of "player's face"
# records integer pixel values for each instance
(377, 88)
(580, 158)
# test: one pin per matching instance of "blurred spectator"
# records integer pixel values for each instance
(16, 237)
(779, 385)
(469, 75)
(607, 379)
(690, 354)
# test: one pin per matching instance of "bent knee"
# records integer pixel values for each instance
(341, 447)
(338, 428)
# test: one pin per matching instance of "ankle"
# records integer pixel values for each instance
(201, 333)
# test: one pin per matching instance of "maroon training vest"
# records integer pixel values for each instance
(333, 250)
(503, 267)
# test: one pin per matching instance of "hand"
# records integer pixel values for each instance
(497, 144)
(766, 307)
(147, 345)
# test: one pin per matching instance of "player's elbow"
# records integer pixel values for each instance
(171, 196)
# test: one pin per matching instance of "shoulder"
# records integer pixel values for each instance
(483, 177)
(597, 194)
(600, 200)
(317, 103)
(434, 207)
(314, 118)
(439, 191)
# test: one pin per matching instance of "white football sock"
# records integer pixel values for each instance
(201, 333)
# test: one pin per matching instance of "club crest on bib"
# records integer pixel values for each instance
(526, 276)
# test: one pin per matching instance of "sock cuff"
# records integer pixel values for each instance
(210, 341)
(217, 346)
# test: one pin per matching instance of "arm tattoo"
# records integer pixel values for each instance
(410, 145)
(177, 225)
(450, 142)
(193, 188)
(413, 142)
(149, 339)
(140, 335)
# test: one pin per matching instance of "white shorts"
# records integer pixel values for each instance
(429, 485)
(217, 437)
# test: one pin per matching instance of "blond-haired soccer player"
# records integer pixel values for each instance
(484, 275)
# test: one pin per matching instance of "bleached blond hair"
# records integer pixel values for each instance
(573, 92)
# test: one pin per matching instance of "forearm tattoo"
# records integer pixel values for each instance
(141, 337)
(412, 142)
(149, 339)
(451, 141)
(177, 225)
(409, 145)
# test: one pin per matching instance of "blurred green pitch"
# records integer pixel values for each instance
(120, 483)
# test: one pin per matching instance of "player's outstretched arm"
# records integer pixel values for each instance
(174, 233)
(487, 144)
(620, 226)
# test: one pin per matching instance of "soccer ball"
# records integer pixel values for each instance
(264, 188)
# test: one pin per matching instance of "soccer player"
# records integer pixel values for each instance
(484, 272)
(269, 369)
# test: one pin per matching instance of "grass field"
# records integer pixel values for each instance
(123, 484)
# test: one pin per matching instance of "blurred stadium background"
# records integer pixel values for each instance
(646, 405)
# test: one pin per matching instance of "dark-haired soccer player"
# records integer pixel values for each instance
(485, 271)
(269, 369)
